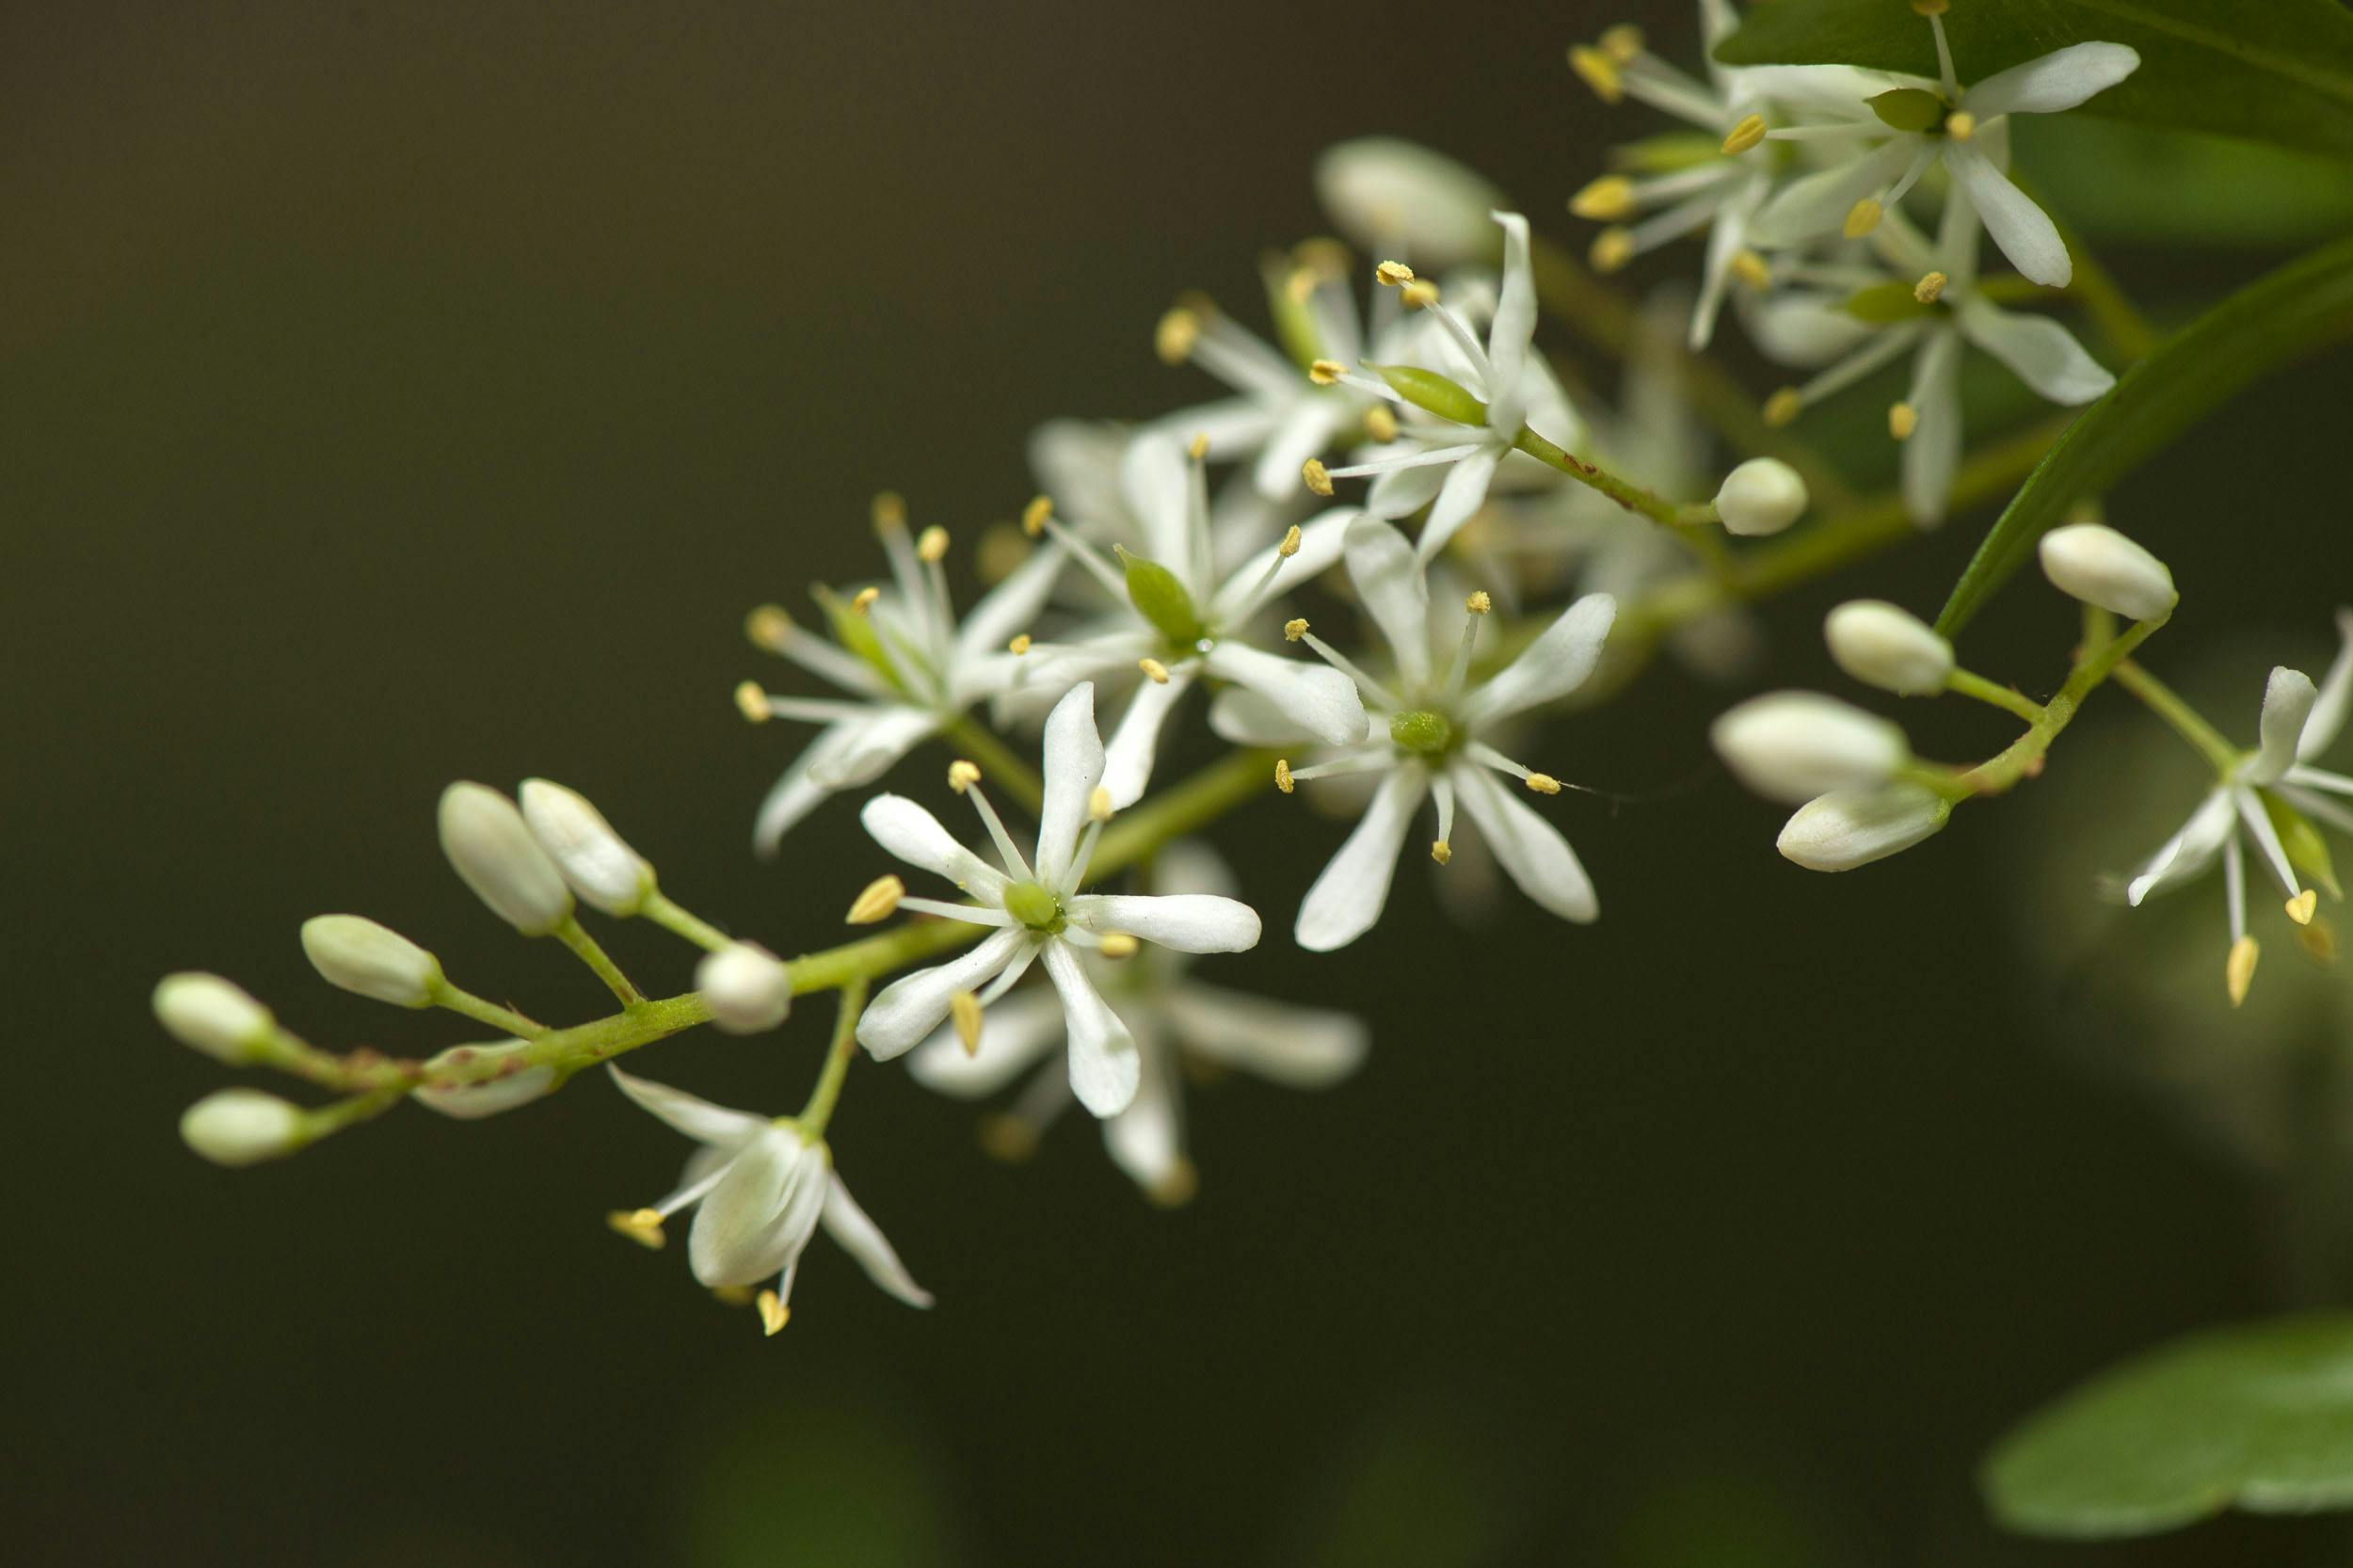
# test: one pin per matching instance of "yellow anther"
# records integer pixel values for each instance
(1862, 217)
(1419, 295)
(1961, 125)
(1318, 479)
(1324, 372)
(1289, 547)
(965, 1008)
(1622, 42)
(768, 627)
(1199, 447)
(932, 544)
(1929, 7)
(1745, 134)
(732, 1295)
(1034, 516)
(1612, 249)
(1379, 424)
(1544, 783)
(2239, 970)
(1324, 256)
(641, 1225)
(877, 901)
(752, 702)
(1903, 420)
(774, 1314)
(1393, 274)
(1019, 644)
(2300, 907)
(1000, 551)
(1750, 269)
(1283, 774)
(1294, 628)
(1479, 603)
(1782, 406)
(1929, 288)
(1441, 851)
(1007, 1138)
(962, 775)
(1099, 803)
(864, 599)
(888, 511)
(1605, 201)
(1153, 670)
(1300, 286)
(1178, 1187)
(1173, 338)
(1118, 944)
(2318, 940)
(1598, 71)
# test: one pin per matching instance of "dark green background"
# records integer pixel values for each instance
(390, 394)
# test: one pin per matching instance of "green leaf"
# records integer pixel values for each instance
(2136, 184)
(2298, 310)
(2277, 70)
(2257, 1414)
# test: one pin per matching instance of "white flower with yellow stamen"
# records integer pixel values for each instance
(909, 667)
(2273, 795)
(1038, 913)
(1967, 128)
(1176, 1020)
(1179, 622)
(759, 1188)
(1438, 724)
(1082, 467)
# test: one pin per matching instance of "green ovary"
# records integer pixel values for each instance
(1422, 731)
(1034, 907)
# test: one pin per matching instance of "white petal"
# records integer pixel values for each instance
(1528, 847)
(1464, 492)
(2023, 231)
(1232, 426)
(1549, 669)
(1189, 922)
(914, 836)
(1514, 321)
(697, 1118)
(1242, 716)
(1847, 828)
(1013, 1034)
(863, 1239)
(1157, 482)
(2288, 699)
(913, 1005)
(1012, 606)
(1321, 540)
(1105, 1066)
(1399, 492)
(1074, 766)
(1317, 698)
(1148, 1139)
(2188, 852)
(1932, 456)
(1389, 584)
(1305, 1047)
(761, 1212)
(2336, 694)
(1819, 202)
(2058, 80)
(1304, 432)
(1076, 461)
(867, 747)
(1347, 898)
(2044, 355)
(1798, 328)
(1135, 739)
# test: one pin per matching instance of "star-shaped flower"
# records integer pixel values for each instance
(1039, 914)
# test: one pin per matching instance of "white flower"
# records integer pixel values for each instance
(2273, 794)
(1175, 1018)
(371, 960)
(1438, 744)
(760, 1189)
(1039, 914)
(1082, 467)
(1179, 621)
(215, 1016)
(1885, 646)
(243, 1127)
(594, 861)
(1759, 497)
(1399, 199)
(1847, 828)
(908, 667)
(748, 987)
(494, 854)
(1794, 745)
(1968, 130)
(2094, 563)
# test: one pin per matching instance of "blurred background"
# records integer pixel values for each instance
(398, 392)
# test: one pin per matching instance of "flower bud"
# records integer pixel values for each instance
(1794, 745)
(1847, 828)
(748, 987)
(600, 867)
(1888, 648)
(359, 955)
(1763, 495)
(242, 1126)
(486, 840)
(516, 1082)
(2094, 563)
(1387, 195)
(215, 1016)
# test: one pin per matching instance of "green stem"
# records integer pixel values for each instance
(1206, 796)
(569, 1050)
(672, 919)
(506, 1020)
(1968, 683)
(328, 1120)
(819, 1111)
(2161, 700)
(2025, 754)
(1633, 497)
(996, 760)
(585, 948)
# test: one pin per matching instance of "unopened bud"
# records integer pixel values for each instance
(748, 987)
(601, 868)
(2094, 563)
(1763, 495)
(487, 842)
(371, 960)
(1794, 745)
(1847, 828)
(1883, 646)
(242, 1126)
(214, 1015)
(497, 1078)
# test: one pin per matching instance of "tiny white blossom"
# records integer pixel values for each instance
(242, 1126)
(215, 1016)
(1885, 646)
(759, 1188)
(1039, 913)
(2094, 563)
(1794, 745)
(747, 986)
(494, 852)
(598, 864)
(1847, 828)
(1760, 497)
(369, 960)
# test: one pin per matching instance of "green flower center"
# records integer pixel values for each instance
(1422, 731)
(1035, 907)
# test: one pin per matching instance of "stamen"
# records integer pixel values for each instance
(1118, 944)
(1419, 295)
(888, 511)
(1784, 406)
(1173, 339)
(769, 626)
(1007, 1138)
(1015, 867)
(642, 1225)
(965, 1008)
(1903, 420)
(877, 901)
(1034, 516)
(1458, 668)
(1366, 759)
(1153, 670)
(1745, 134)
(2300, 907)
(1019, 645)
(1542, 783)
(1929, 287)
(864, 602)
(963, 775)
(1750, 269)
(931, 546)
(1318, 478)
(732, 1295)
(1612, 249)
(1441, 851)
(752, 702)
(2239, 970)
(1961, 125)
(1341, 663)
(1099, 805)
(1392, 274)
(1862, 217)
(968, 913)
(1198, 448)
(1283, 774)
(1598, 71)
(774, 1314)
(1622, 42)
(1293, 629)
(1479, 603)
(1607, 200)
(1380, 425)
(1324, 373)
(1442, 789)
